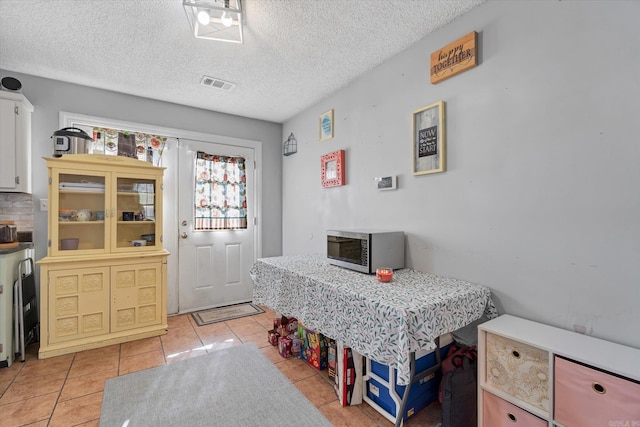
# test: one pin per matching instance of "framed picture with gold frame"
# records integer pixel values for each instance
(332, 169)
(325, 124)
(428, 139)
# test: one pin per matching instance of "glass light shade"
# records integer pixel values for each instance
(226, 19)
(203, 17)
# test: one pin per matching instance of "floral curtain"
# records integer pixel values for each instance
(220, 192)
(141, 146)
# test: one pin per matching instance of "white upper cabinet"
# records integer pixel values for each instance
(15, 143)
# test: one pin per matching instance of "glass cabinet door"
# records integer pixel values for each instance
(135, 213)
(81, 205)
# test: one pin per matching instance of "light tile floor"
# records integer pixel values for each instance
(67, 390)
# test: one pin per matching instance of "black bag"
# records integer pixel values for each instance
(458, 389)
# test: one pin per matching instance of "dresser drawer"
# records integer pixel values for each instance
(586, 396)
(497, 412)
(520, 370)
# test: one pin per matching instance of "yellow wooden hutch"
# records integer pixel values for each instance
(110, 285)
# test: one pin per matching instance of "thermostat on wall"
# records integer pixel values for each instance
(386, 182)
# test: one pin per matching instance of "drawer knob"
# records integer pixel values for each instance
(516, 354)
(598, 388)
(512, 417)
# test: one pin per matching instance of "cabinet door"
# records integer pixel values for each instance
(78, 303)
(79, 209)
(23, 149)
(137, 220)
(136, 292)
(8, 145)
(15, 145)
(8, 276)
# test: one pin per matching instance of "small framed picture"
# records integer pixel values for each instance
(429, 139)
(326, 125)
(332, 169)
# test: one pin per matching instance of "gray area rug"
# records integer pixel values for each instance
(237, 386)
(220, 314)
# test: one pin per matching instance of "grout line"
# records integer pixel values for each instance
(66, 377)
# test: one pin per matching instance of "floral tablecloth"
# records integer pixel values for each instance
(382, 321)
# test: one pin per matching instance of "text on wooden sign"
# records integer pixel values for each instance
(454, 58)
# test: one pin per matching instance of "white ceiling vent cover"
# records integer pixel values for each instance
(217, 83)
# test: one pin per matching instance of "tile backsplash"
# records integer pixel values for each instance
(17, 207)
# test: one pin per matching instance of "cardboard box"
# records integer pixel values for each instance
(284, 346)
(313, 347)
(272, 337)
(346, 374)
(332, 362)
(285, 326)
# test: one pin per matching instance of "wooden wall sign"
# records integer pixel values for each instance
(454, 58)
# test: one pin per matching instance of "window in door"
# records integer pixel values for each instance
(220, 192)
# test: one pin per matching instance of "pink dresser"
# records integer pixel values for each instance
(500, 413)
(588, 397)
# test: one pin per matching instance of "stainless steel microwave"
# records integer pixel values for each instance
(365, 250)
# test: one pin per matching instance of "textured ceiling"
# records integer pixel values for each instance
(295, 52)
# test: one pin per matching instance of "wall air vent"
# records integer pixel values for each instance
(217, 83)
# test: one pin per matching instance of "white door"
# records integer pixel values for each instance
(213, 266)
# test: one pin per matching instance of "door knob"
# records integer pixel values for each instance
(184, 235)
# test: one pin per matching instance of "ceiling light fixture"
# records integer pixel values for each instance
(215, 19)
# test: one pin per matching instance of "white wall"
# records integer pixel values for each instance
(540, 200)
(49, 97)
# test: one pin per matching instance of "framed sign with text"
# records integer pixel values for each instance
(428, 139)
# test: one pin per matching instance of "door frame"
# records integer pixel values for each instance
(170, 187)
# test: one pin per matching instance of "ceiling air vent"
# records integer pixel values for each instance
(217, 83)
